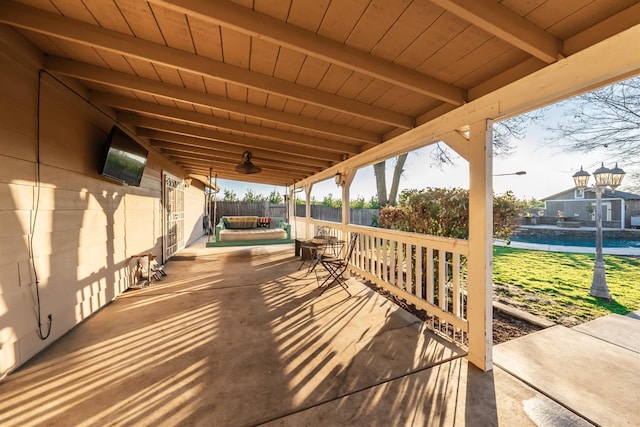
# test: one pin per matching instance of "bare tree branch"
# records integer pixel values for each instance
(503, 134)
(442, 156)
(607, 118)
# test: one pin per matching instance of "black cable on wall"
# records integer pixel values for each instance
(32, 224)
(41, 334)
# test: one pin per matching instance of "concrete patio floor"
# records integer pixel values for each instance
(238, 336)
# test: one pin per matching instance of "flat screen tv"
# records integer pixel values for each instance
(125, 159)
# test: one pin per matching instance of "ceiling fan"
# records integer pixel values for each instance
(246, 166)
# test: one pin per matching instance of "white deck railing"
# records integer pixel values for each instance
(426, 271)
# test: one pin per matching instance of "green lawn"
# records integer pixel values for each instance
(556, 285)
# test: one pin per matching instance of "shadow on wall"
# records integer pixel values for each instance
(16, 297)
(80, 257)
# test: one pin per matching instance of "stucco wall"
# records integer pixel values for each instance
(80, 228)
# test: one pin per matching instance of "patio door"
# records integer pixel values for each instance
(173, 189)
(606, 211)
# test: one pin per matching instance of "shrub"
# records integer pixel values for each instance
(445, 212)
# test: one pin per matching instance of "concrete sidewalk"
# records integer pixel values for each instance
(593, 369)
(238, 336)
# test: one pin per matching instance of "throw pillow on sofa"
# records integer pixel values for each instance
(241, 222)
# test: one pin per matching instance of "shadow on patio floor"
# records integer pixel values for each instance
(239, 336)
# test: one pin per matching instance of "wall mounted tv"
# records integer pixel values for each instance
(125, 159)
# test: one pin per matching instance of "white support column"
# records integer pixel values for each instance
(346, 211)
(291, 205)
(307, 197)
(480, 261)
(346, 179)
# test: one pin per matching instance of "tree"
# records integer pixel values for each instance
(441, 155)
(606, 119)
(531, 206)
(379, 169)
(328, 200)
(357, 203)
(275, 198)
(504, 132)
(230, 196)
(251, 196)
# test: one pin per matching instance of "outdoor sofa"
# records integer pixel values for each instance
(252, 230)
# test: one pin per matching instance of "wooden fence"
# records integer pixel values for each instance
(366, 217)
(248, 208)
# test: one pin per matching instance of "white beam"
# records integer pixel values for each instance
(307, 212)
(614, 58)
(458, 142)
(480, 259)
(347, 176)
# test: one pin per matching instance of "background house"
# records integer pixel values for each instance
(580, 205)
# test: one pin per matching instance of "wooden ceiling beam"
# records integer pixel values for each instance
(612, 59)
(235, 176)
(205, 146)
(264, 164)
(208, 120)
(57, 26)
(207, 153)
(231, 168)
(294, 139)
(507, 25)
(151, 87)
(212, 139)
(518, 71)
(261, 177)
(613, 25)
(255, 24)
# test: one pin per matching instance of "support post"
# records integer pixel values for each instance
(599, 286)
(347, 179)
(291, 205)
(480, 259)
(307, 215)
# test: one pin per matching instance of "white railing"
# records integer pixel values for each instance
(302, 229)
(426, 271)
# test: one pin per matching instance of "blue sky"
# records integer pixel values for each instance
(549, 170)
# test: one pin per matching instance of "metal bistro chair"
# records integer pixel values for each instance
(311, 250)
(336, 266)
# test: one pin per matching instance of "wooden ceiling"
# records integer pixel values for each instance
(302, 84)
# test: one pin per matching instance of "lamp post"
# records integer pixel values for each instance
(604, 178)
